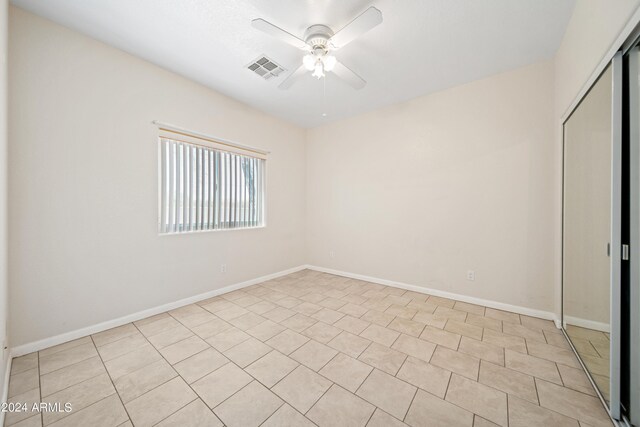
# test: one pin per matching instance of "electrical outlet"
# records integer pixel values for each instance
(471, 275)
(223, 268)
(332, 254)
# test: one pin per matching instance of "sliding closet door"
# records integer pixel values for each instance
(591, 232)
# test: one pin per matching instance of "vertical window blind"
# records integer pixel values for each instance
(208, 188)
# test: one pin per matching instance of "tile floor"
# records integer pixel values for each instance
(593, 347)
(313, 349)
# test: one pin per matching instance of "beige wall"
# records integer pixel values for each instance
(3, 187)
(425, 190)
(83, 185)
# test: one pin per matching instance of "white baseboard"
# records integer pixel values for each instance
(89, 330)
(588, 324)
(547, 315)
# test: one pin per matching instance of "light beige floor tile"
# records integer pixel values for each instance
(67, 345)
(217, 386)
(24, 363)
(430, 411)
(157, 326)
(271, 368)
(321, 332)
(487, 402)
(227, 339)
(352, 324)
(33, 421)
(338, 407)
(576, 379)
(265, 330)
(454, 361)
(287, 416)
(510, 342)
(209, 329)
(556, 339)
(398, 300)
(505, 316)
(186, 311)
(143, 380)
(216, 304)
(195, 414)
(597, 365)
(586, 334)
(469, 308)
(525, 414)
(536, 323)
(346, 371)
(66, 357)
(483, 350)
(231, 312)
(313, 355)
(572, 404)
(80, 396)
(383, 358)
(23, 382)
(380, 335)
(113, 334)
(249, 407)
(481, 422)
(328, 316)
(553, 353)
(171, 336)
(261, 307)
(512, 382)
(105, 413)
(71, 375)
(539, 368)
(313, 297)
(247, 321)
(351, 309)
(197, 319)
(247, 301)
(377, 317)
(299, 322)
(484, 322)
(308, 308)
(279, 314)
(426, 376)
(133, 361)
(28, 398)
(423, 306)
(122, 346)
(349, 344)
(440, 301)
(247, 352)
(302, 388)
(521, 331)
(289, 302)
(415, 347)
(584, 347)
(451, 314)
(441, 337)
(382, 419)
(159, 403)
(286, 342)
(397, 395)
(405, 326)
(401, 311)
(435, 320)
(332, 303)
(464, 329)
(181, 350)
(200, 364)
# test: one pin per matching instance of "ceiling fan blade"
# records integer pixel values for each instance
(363, 23)
(346, 74)
(279, 33)
(293, 77)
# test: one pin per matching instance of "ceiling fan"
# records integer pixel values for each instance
(319, 42)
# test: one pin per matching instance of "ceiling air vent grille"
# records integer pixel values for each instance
(265, 68)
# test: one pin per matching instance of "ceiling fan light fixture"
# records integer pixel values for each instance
(319, 70)
(329, 62)
(309, 62)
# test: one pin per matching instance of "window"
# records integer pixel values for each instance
(204, 187)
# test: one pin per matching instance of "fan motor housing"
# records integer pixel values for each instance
(318, 35)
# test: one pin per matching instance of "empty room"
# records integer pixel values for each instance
(322, 213)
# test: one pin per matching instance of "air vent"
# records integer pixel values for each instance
(265, 68)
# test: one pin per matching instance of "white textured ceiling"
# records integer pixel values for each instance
(422, 46)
